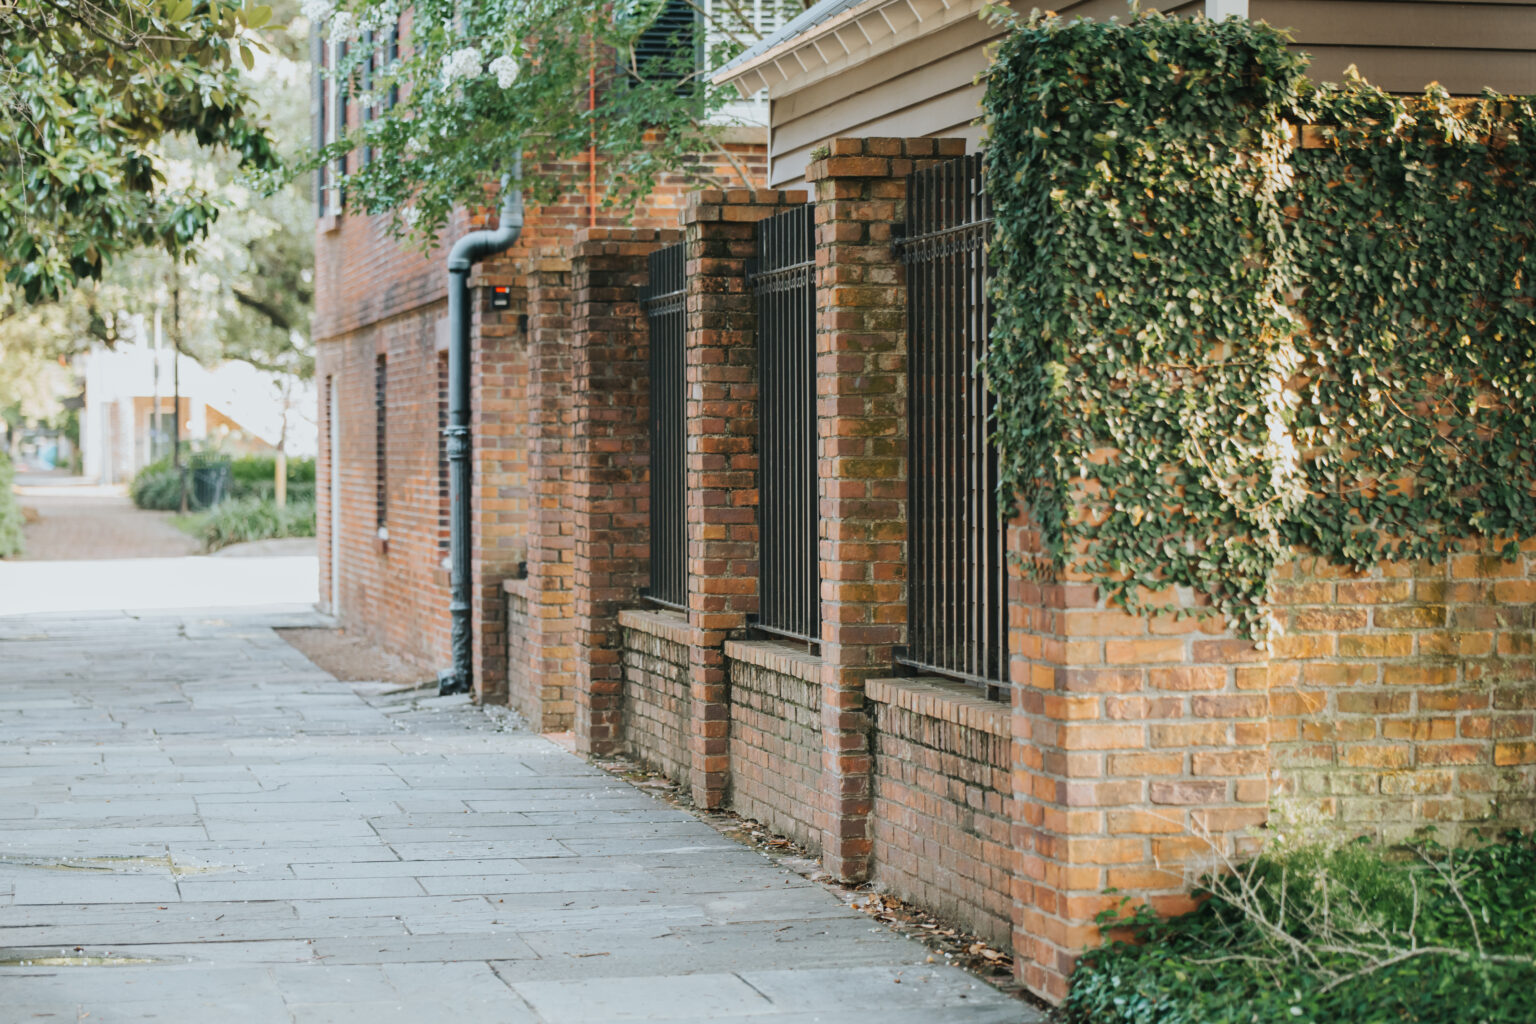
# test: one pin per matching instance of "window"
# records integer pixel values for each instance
(668, 48)
(330, 107)
(731, 26)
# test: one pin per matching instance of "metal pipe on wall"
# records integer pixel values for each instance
(466, 252)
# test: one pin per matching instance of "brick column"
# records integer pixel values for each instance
(551, 671)
(861, 351)
(498, 470)
(721, 461)
(1140, 760)
(610, 491)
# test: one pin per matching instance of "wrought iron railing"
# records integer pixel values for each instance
(957, 618)
(664, 300)
(782, 279)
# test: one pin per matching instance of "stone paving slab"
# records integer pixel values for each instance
(187, 790)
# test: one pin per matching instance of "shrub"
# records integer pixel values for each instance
(10, 511)
(157, 486)
(256, 470)
(1354, 934)
(246, 519)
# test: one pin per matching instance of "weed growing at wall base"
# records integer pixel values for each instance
(1358, 934)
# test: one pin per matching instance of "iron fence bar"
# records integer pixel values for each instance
(994, 687)
(781, 278)
(957, 614)
(647, 596)
(664, 301)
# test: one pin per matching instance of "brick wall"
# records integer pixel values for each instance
(775, 749)
(374, 296)
(548, 534)
(943, 801)
(499, 469)
(1404, 696)
(610, 490)
(385, 586)
(658, 705)
(1134, 752)
(522, 691)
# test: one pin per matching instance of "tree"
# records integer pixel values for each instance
(89, 91)
(245, 281)
(474, 83)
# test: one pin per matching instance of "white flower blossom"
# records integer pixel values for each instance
(366, 100)
(409, 216)
(383, 16)
(505, 69)
(342, 25)
(317, 11)
(464, 63)
(415, 145)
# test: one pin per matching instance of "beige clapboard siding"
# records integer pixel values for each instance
(931, 82)
(926, 87)
(1404, 45)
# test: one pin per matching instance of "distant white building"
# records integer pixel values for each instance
(127, 420)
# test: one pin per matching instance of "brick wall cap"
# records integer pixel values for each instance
(776, 657)
(873, 157)
(595, 241)
(944, 700)
(668, 625)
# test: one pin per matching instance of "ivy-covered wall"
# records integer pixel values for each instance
(1265, 355)
(1213, 347)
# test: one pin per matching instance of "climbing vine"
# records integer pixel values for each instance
(1413, 231)
(1211, 347)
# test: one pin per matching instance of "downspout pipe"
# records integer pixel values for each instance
(466, 252)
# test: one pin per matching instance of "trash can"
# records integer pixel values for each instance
(210, 481)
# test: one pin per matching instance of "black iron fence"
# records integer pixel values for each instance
(957, 619)
(664, 301)
(782, 278)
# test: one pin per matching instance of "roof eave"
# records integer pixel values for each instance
(840, 37)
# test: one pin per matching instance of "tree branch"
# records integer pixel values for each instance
(263, 307)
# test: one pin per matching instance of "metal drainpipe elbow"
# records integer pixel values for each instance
(466, 252)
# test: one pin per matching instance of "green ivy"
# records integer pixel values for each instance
(1418, 392)
(1328, 935)
(1210, 348)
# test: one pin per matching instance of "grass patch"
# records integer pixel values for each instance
(1360, 934)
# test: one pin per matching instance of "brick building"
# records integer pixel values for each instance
(732, 517)
(382, 371)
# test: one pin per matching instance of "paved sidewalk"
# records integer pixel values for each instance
(79, 520)
(145, 585)
(241, 838)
